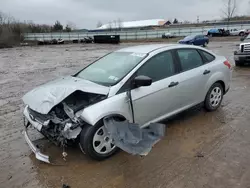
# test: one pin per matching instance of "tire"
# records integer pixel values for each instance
(205, 44)
(238, 63)
(214, 97)
(241, 34)
(93, 136)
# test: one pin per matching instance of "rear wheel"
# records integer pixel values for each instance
(96, 143)
(205, 44)
(214, 97)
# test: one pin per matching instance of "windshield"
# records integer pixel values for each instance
(189, 37)
(111, 68)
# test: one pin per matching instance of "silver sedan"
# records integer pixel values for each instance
(141, 84)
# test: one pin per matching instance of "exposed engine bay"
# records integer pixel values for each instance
(63, 124)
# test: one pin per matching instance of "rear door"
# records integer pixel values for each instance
(193, 77)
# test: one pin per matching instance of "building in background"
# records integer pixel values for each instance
(133, 25)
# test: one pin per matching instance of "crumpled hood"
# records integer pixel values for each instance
(43, 98)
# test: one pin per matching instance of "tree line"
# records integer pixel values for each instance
(12, 30)
(12, 25)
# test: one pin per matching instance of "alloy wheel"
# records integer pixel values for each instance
(215, 97)
(102, 143)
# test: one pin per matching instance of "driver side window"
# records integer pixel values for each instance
(158, 67)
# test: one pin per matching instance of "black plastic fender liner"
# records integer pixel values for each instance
(131, 138)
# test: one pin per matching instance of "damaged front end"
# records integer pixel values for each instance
(62, 124)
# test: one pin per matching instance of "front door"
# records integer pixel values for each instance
(154, 101)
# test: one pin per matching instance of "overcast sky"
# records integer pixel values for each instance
(86, 13)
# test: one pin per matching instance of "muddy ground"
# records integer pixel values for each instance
(200, 149)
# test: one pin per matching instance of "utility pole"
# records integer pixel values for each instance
(198, 19)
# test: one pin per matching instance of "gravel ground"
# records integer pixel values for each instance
(200, 149)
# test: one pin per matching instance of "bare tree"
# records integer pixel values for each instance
(248, 6)
(229, 9)
(115, 24)
(72, 25)
(99, 24)
(175, 21)
(110, 26)
(119, 23)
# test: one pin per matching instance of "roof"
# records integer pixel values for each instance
(153, 47)
(131, 24)
(145, 48)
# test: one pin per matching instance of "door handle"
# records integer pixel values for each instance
(172, 84)
(206, 72)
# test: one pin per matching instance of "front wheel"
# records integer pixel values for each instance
(214, 97)
(242, 34)
(96, 143)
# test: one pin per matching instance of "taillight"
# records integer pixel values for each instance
(227, 64)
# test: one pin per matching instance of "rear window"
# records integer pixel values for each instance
(208, 57)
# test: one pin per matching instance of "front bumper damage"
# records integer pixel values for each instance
(27, 122)
(69, 132)
(129, 137)
(40, 156)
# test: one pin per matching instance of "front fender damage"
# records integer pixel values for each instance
(64, 122)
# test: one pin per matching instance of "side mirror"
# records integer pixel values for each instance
(140, 81)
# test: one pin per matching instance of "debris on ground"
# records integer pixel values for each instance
(131, 138)
(199, 155)
(65, 186)
(9, 177)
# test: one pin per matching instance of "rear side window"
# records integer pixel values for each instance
(158, 67)
(207, 56)
(189, 59)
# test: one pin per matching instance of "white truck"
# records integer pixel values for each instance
(242, 55)
(237, 32)
(168, 35)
